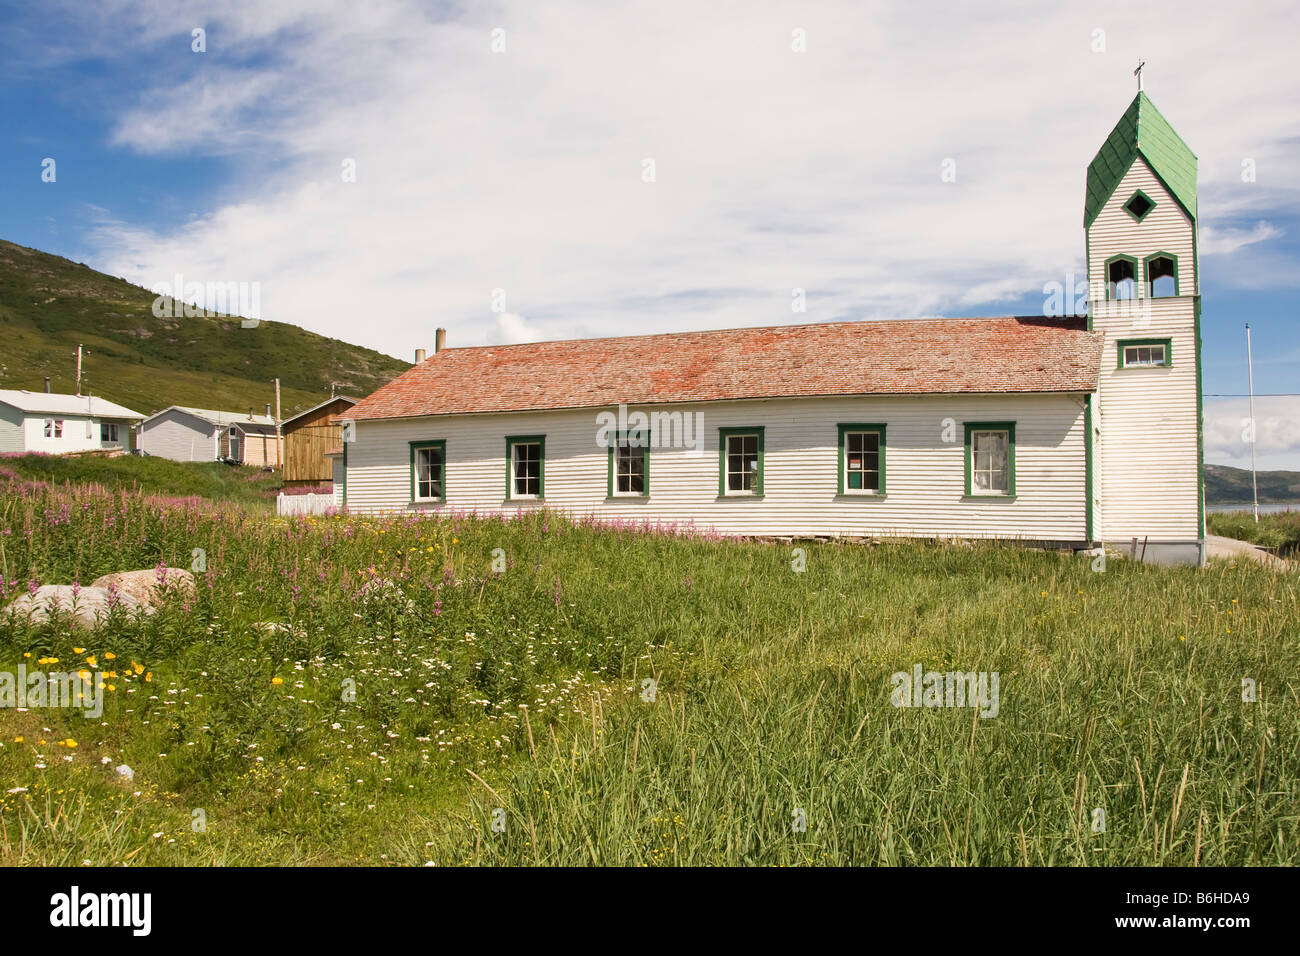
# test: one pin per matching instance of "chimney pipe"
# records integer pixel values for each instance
(268, 409)
(419, 356)
(250, 413)
(440, 340)
(47, 385)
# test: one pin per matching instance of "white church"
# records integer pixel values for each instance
(1060, 432)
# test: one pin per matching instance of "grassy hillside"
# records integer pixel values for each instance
(370, 691)
(1225, 485)
(212, 480)
(48, 305)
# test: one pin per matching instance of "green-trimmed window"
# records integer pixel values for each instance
(740, 462)
(428, 470)
(629, 465)
(1144, 353)
(990, 459)
(862, 459)
(1161, 275)
(525, 466)
(1139, 205)
(1121, 277)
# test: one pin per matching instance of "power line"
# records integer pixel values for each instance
(1247, 394)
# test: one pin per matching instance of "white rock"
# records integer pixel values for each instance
(125, 772)
(88, 606)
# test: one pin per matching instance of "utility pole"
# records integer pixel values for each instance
(78, 369)
(1250, 378)
(279, 437)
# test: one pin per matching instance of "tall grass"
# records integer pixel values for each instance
(1279, 531)
(504, 717)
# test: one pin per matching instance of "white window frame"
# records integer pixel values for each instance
(440, 479)
(1007, 432)
(1151, 349)
(515, 445)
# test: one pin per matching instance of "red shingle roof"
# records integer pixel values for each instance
(907, 357)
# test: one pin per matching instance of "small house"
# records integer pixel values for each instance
(55, 423)
(203, 434)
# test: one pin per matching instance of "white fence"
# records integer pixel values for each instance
(303, 504)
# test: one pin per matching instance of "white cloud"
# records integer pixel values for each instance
(1277, 432)
(511, 329)
(1226, 241)
(522, 170)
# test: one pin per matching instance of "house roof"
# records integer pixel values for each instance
(59, 404)
(909, 357)
(320, 405)
(216, 417)
(1141, 131)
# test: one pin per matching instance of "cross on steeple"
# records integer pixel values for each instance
(1138, 73)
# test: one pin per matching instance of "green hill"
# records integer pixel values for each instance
(49, 305)
(1225, 485)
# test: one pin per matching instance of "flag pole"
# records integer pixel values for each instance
(1250, 377)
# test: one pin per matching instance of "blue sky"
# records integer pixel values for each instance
(501, 154)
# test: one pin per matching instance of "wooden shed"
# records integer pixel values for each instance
(308, 437)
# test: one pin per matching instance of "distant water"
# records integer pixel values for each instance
(1263, 509)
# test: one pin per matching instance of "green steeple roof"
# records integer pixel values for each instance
(1141, 131)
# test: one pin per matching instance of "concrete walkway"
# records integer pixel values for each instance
(1218, 546)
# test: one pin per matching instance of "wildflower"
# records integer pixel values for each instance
(91, 660)
(108, 655)
(69, 742)
(78, 650)
(277, 680)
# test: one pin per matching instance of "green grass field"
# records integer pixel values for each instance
(211, 480)
(504, 718)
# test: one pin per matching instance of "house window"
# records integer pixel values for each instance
(525, 466)
(428, 470)
(1162, 275)
(108, 432)
(862, 460)
(629, 465)
(990, 459)
(1145, 353)
(740, 461)
(1121, 278)
(53, 428)
(1139, 205)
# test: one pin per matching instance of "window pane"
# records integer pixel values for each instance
(527, 468)
(990, 463)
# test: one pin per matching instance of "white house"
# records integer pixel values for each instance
(56, 423)
(204, 434)
(1069, 431)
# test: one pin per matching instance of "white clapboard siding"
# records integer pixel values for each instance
(12, 437)
(78, 433)
(308, 504)
(1147, 475)
(925, 475)
(180, 437)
